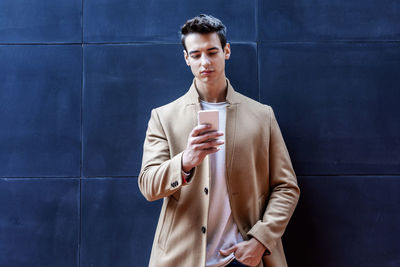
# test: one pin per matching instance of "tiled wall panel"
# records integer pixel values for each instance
(40, 92)
(345, 221)
(39, 222)
(241, 69)
(122, 83)
(160, 21)
(117, 223)
(337, 104)
(45, 21)
(321, 20)
(328, 68)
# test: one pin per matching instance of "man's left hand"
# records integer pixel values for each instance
(247, 252)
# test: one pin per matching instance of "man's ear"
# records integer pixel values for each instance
(185, 54)
(227, 51)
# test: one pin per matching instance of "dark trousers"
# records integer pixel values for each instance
(235, 263)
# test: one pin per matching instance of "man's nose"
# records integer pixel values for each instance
(205, 61)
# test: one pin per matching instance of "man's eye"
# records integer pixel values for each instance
(195, 56)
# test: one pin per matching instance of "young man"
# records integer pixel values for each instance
(228, 194)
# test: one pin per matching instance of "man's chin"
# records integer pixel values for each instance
(206, 80)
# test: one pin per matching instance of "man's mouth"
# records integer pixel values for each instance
(206, 72)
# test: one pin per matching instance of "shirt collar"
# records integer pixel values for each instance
(194, 97)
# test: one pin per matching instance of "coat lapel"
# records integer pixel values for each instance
(193, 101)
(230, 134)
(231, 126)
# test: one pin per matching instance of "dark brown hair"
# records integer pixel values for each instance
(204, 24)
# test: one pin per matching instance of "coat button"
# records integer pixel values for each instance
(203, 229)
(174, 184)
(206, 190)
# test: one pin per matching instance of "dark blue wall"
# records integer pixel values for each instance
(78, 79)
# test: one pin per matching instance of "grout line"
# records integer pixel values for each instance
(331, 42)
(81, 154)
(48, 177)
(81, 111)
(159, 42)
(348, 175)
(82, 21)
(109, 177)
(232, 42)
(135, 176)
(80, 223)
(22, 44)
(257, 3)
(258, 72)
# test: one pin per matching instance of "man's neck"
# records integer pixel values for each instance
(212, 93)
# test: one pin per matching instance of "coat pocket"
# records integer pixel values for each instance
(167, 222)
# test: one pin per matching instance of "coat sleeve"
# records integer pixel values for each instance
(160, 175)
(284, 191)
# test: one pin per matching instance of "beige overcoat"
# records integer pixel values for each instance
(261, 183)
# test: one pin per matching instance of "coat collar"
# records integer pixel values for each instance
(192, 96)
(192, 100)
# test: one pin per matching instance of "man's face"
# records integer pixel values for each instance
(206, 57)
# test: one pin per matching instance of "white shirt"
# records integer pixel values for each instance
(222, 231)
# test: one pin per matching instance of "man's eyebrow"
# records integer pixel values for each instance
(194, 51)
(197, 51)
(212, 48)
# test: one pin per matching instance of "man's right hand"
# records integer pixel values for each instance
(201, 142)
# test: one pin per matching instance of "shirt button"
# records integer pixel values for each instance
(206, 190)
(203, 229)
(174, 184)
